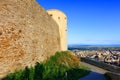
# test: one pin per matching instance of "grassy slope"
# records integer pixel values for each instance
(61, 66)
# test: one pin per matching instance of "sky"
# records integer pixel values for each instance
(89, 21)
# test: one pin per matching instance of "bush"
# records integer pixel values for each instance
(39, 69)
(61, 66)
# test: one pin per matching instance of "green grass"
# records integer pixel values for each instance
(61, 66)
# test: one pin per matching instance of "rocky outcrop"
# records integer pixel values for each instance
(27, 35)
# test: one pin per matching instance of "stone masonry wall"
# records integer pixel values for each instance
(113, 76)
(103, 65)
(61, 20)
(27, 35)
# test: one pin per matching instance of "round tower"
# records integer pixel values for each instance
(61, 20)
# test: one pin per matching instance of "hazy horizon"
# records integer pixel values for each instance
(91, 44)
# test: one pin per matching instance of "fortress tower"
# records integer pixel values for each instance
(61, 20)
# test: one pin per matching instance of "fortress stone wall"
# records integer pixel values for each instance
(27, 35)
(61, 20)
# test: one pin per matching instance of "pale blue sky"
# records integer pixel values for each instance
(89, 21)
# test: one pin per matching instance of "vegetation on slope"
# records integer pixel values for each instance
(61, 66)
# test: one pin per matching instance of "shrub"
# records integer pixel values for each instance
(61, 66)
(39, 69)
